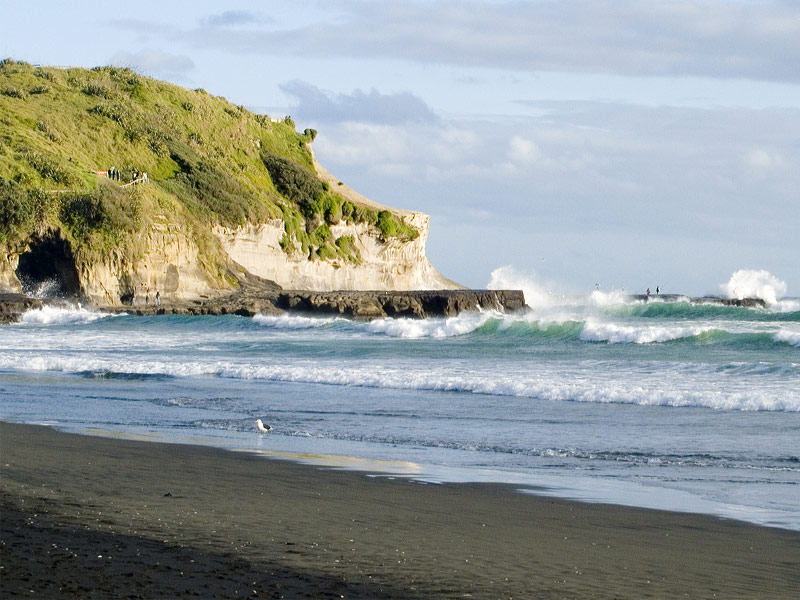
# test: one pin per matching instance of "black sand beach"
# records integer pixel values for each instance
(91, 517)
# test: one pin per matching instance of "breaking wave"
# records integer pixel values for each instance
(52, 315)
(295, 321)
(627, 334)
(789, 337)
(733, 387)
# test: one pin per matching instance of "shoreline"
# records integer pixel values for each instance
(217, 522)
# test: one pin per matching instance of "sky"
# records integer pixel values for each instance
(624, 143)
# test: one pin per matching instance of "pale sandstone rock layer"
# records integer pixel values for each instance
(385, 265)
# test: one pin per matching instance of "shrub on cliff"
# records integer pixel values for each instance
(347, 246)
(21, 210)
(391, 226)
(17, 209)
(101, 219)
(292, 180)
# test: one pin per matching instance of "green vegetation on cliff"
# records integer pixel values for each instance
(208, 161)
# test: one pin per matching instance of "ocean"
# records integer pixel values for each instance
(602, 398)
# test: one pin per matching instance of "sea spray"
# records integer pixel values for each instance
(750, 283)
(599, 298)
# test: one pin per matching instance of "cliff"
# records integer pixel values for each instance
(229, 198)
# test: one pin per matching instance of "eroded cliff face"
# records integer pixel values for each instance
(384, 265)
(8, 277)
(171, 264)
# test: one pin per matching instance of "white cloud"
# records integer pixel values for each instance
(366, 144)
(615, 167)
(233, 18)
(523, 151)
(359, 106)
(714, 38)
(759, 158)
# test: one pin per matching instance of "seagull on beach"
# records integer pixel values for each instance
(261, 427)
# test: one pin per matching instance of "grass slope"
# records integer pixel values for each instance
(209, 162)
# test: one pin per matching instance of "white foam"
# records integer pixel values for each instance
(52, 315)
(462, 324)
(786, 305)
(751, 283)
(640, 388)
(294, 321)
(614, 384)
(628, 334)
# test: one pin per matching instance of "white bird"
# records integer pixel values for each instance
(261, 427)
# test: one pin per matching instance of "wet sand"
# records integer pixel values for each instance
(91, 517)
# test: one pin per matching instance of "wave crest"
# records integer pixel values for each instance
(789, 337)
(462, 324)
(629, 334)
(294, 321)
(54, 315)
(680, 387)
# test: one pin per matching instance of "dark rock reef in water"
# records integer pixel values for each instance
(415, 304)
(351, 304)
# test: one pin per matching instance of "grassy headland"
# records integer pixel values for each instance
(209, 162)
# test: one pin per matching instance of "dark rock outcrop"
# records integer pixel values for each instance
(356, 305)
(416, 304)
(13, 305)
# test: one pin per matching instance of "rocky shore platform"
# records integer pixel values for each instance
(351, 304)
